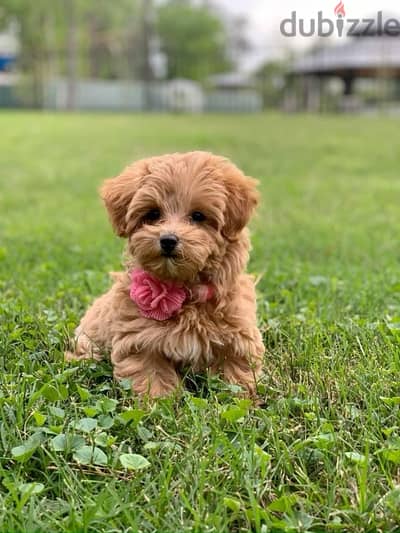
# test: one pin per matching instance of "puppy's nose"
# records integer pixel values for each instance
(168, 243)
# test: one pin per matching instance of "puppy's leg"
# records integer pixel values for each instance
(92, 335)
(242, 364)
(83, 347)
(151, 373)
(242, 371)
(241, 360)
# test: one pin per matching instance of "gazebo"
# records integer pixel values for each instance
(371, 53)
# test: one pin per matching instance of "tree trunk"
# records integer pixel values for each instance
(70, 9)
(145, 70)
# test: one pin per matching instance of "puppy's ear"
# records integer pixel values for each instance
(118, 192)
(242, 199)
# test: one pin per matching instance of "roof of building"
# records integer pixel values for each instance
(363, 55)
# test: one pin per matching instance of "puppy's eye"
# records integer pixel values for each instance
(197, 216)
(152, 216)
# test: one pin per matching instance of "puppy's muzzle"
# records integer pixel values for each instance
(168, 243)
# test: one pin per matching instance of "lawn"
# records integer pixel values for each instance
(322, 450)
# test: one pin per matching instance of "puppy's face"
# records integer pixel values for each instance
(179, 211)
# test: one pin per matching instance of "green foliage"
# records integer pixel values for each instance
(34, 20)
(271, 78)
(90, 455)
(193, 40)
(320, 452)
(133, 461)
(106, 35)
(109, 40)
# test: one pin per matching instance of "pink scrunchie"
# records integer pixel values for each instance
(161, 300)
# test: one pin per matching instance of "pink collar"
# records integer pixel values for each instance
(161, 300)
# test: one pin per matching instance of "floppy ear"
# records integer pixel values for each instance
(118, 192)
(241, 200)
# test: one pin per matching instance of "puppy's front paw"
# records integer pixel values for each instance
(241, 371)
(82, 347)
(80, 356)
(151, 375)
(154, 387)
(72, 356)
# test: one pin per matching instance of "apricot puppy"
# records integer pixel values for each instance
(184, 299)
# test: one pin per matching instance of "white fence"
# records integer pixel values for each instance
(175, 95)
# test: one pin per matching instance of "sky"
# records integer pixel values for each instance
(265, 17)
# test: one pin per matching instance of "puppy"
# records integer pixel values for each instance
(184, 300)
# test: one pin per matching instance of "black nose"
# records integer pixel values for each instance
(168, 243)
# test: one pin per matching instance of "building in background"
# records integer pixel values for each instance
(367, 65)
(233, 91)
(8, 58)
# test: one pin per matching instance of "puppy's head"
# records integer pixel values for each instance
(179, 211)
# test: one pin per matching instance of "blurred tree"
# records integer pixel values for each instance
(239, 44)
(116, 40)
(193, 39)
(110, 38)
(75, 38)
(72, 51)
(271, 80)
(34, 20)
(145, 37)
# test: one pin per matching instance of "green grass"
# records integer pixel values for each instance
(322, 453)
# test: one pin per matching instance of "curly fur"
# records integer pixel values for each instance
(220, 335)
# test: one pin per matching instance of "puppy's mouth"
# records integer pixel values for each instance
(170, 255)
